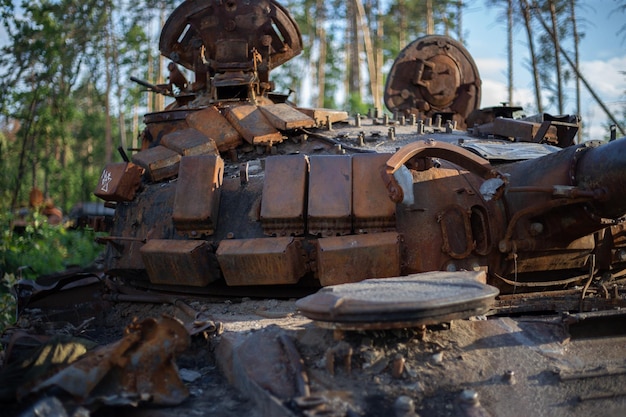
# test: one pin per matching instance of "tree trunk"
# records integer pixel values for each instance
(134, 145)
(320, 33)
(572, 5)
(369, 52)
(557, 54)
(402, 24)
(150, 95)
(430, 24)
(379, 54)
(459, 22)
(108, 135)
(118, 86)
(27, 136)
(354, 53)
(584, 81)
(509, 29)
(160, 98)
(533, 58)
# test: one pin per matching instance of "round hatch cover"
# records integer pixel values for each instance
(414, 300)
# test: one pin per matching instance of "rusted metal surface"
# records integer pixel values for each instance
(233, 36)
(159, 162)
(263, 261)
(519, 130)
(434, 74)
(285, 117)
(323, 116)
(284, 195)
(330, 195)
(252, 125)
(189, 142)
(179, 262)
(139, 367)
(567, 126)
(353, 258)
(151, 218)
(197, 203)
(425, 195)
(161, 123)
(372, 208)
(119, 181)
(410, 301)
(215, 126)
(561, 300)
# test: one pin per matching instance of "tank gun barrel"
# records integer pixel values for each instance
(592, 171)
(604, 168)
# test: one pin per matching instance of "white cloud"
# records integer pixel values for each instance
(491, 68)
(606, 77)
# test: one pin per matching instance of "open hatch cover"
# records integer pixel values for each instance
(410, 301)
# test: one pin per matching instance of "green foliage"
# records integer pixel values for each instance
(356, 105)
(38, 248)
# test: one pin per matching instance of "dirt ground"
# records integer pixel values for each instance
(495, 366)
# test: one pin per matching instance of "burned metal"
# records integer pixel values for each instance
(434, 76)
(138, 368)
(333, 200)
(411, 301)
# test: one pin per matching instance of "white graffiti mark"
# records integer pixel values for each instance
(105, 179)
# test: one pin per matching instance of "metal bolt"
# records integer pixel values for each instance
(357, 120)
(402, 120)
(329, 124)
(361, 139)
(438, 121)
(413, 119)
(509, 377)
(391, 134)
(420, 127)
(243, 173)
(397, 366)
(385, 119)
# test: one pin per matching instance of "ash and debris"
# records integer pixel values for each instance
(499, 366)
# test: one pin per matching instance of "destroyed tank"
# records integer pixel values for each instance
(238, 190)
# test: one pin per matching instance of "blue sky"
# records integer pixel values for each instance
(602, 57)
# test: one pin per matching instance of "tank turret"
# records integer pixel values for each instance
(236, 188)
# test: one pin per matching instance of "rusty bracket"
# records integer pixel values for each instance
(433, 149)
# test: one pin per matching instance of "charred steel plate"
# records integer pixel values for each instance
(414, 300)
